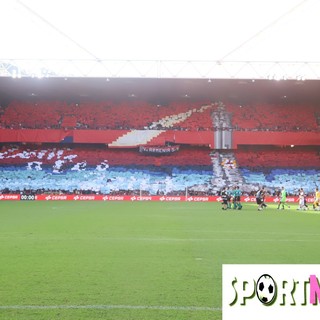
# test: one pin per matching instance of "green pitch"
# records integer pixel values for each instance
(137, 261)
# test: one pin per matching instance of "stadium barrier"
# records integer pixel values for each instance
(165, 198)
(299, 138)
(103, 136)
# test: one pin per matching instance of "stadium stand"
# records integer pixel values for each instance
(274, 167)
(98, 170)
(40, 115)
(273, 117)
(190, 167)
(93, 155)
(291, 179)
(106, 115)
(125, 125)
(122, 180)
(142, 115)
(278, 157)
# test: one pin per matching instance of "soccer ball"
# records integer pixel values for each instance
(266, 289)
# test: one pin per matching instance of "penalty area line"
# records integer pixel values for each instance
(109, 307)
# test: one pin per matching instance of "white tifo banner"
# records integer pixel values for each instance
(270, 291)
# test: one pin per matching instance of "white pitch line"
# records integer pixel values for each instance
(249, 232)
(146, 239)
(109, 307)
(209, 239)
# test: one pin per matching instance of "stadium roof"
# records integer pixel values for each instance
(160, 91)
(209, 39)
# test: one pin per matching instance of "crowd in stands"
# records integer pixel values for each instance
(105, 115)
(278, 157)
(128, 115)
(92, 169)
(98, 169)
(292, 168)
(292, 179)
(269, 117)
(68, 156)
(23, 115)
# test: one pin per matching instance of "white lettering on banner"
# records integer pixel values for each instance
(93, 197)
(116, 198)
(172, 198)
(141, 198)
(310, 199)
(198, 199)
(159, 149)
(248, 199)
(167, 198)
(144, 198)
(265, 292)
(87, 197)
(57, 197)
(201, 199)
(9, 197)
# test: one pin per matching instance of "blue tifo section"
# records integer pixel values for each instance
(291, 179)
(110, 179)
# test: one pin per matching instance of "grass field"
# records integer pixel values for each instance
(139, 261)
